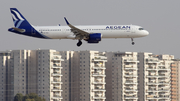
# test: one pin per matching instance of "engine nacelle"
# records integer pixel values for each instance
(94, 38)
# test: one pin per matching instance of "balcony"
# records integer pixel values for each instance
(152, 83)
(56, 70)
(103, 90)
(130, 98)
(98, 75)
(99, 67)
(130, 90)
(56, 66)
(152, 90)
(151, 61)
(99, 97)
(151, 69)
(57, 58)
(133, 76)
(99, 58)
(126, 83)
(163, 90)
(150, 97)
(56, 90)
(98, 82)
(56, 85)
(57, 97)
(56, 82)
(163, 68)
(131, 60)
(163, 83)
(57, 74)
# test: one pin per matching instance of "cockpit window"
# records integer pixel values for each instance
(141, 28)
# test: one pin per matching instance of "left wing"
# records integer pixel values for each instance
(80, 34)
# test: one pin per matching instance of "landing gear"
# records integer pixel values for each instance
(79, 43)
(132, 41)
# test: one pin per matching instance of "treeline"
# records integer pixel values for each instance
(28, 97)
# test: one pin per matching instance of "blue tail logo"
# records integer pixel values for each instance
(22, 26)
(19, 20)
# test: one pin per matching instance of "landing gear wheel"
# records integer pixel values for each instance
(133, 43)
(79, 43)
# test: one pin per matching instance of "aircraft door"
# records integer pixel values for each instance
(132, 30)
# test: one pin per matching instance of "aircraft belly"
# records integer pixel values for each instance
(57, 35)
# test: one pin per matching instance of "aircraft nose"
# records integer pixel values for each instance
(146, 32)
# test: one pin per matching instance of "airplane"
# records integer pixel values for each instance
(91, 33)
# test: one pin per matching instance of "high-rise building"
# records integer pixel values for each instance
(123, 67)
(88, 76)
(175, 78)
(31, 71)
(138, 76)
(154, 77)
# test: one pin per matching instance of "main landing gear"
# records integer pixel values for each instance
(79, 43)
(132, 41)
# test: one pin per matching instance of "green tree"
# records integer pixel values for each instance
(33, 97)
(29, 100)
(18, 97)
(28, 97)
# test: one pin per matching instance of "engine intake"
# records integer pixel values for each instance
(94, 38)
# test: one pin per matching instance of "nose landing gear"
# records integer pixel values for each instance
(132, 41)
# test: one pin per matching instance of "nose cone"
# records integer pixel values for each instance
(146, 33)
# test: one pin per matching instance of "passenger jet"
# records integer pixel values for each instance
(91, 34)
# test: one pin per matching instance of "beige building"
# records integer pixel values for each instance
(88, 76)
(156, 85)
(175, 85)
(133, 76)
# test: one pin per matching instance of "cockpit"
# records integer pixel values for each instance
(141, 28)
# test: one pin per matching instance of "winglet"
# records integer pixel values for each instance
(66, 21)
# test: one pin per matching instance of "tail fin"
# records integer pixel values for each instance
(18, 18)
(22, 26)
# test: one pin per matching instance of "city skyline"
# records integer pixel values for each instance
(89, 75)
(160, 18)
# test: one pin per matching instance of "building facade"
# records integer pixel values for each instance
(136, 76)
(89, 75)
(175, 71)
(31, 71)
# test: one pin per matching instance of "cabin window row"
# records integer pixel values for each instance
(50, 30)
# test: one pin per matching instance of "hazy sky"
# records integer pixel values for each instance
(160, 17)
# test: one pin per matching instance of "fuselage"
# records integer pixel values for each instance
(91, 33)
(107, 31)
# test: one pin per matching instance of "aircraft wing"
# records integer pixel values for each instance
(80, 34)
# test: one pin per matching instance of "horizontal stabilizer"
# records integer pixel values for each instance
(19, 30)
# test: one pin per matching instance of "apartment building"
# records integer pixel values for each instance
(155, 76)
(138, 76)
(31, 71)
(4, 56)
(175, 85)
(123, 67)
(88, 76)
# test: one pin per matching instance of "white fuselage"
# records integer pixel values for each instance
(107, 31)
